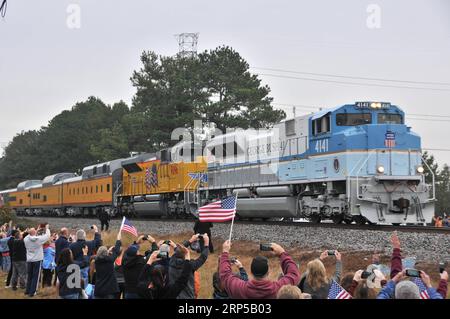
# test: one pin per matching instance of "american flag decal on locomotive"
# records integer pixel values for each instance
(389, 140)
(151, 176)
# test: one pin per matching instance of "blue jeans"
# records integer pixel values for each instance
(85, 276)
(6, 263)
(72, 296)
(34, 272)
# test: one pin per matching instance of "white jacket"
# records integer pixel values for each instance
(33, 244)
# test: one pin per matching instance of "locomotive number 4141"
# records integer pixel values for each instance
(321, 146)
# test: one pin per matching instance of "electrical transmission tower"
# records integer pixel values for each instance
(187, 44)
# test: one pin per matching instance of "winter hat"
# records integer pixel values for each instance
(132, 251)
(407, 290)
(81, 234)
(260, 266)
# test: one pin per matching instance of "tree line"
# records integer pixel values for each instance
(215, 86)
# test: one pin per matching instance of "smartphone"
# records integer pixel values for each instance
(441, 267)
(331, 253)
(365, 274)
(265, 247)
(412, 273)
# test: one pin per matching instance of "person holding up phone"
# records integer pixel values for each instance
(315, 281)
(260, 287)
(399, 287)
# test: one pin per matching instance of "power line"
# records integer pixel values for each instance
(407, 114)
(352, 83)
(351, 77)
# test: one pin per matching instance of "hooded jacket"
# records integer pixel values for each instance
(257, 289)
(33, 244)
(132, 268)
(169, 291)
(105, 278)
(176, 265)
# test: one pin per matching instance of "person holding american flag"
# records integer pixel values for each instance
(401, 287)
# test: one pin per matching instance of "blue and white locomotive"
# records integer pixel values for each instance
(357, 162)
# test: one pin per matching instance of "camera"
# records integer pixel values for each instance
(145, 237)
(265, 247)
(163, 255)
(200, 237)
(331, 253)
(412, 273)
(365, 274)
(92, 227)
(233, 260)
(167, 242)
(442, 266)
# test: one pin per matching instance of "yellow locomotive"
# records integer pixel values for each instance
(145, 184)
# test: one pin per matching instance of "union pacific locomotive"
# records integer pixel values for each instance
(353, 163)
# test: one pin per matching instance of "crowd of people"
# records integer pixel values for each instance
(87, 269)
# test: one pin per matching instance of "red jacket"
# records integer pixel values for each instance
(257, 289)
(396, 262)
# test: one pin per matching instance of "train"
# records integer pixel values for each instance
(354, 163)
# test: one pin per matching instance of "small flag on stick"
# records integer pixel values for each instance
(128, 227)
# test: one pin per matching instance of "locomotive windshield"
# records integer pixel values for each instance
(387, 118)
(352, 119)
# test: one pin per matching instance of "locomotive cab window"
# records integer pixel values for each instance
(388, 118)
(321, 125)
(352, 119)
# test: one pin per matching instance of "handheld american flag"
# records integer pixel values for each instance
(218, 211)
(423, 290)
(128, 227)
(337, 292)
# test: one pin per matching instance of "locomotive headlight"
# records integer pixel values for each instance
(380, 169)
(420, 169)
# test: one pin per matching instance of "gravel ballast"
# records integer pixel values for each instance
(424, 246)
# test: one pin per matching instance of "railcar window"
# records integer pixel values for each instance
(387, 118)
(92, 190)
(96, 189)
(108, 188)
(321, 125)
(101, 189)
(105, 169)
(45, 198)
(290, 127)
(352, 119)
(94, 171)
(21, 201)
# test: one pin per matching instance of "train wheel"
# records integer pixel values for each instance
(396, 224)
(315, 219)
(348, 221)
(360, 220)
(337, 219)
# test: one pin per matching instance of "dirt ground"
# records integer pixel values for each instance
(244, 251)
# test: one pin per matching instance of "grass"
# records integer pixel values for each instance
(244, 251)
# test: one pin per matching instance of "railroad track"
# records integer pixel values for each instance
(402, 228)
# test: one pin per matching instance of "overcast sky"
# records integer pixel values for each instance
(46, 65)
